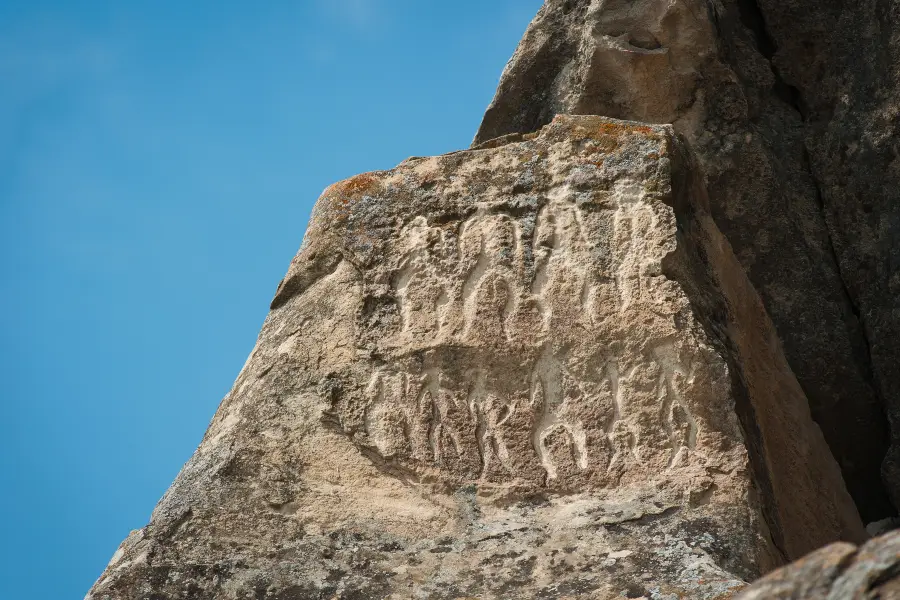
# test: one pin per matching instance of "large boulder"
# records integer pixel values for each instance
(530, 370)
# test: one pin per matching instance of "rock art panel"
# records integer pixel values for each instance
(513, 332)
(530, 370)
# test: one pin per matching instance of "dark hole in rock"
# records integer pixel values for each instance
(636, 590)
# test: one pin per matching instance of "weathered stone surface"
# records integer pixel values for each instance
(795, 131)
(534, 370)
(837, 572)
(843, 59)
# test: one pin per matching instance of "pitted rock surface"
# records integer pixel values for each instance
(532, 370)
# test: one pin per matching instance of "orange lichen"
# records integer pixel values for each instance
(601, 129)
(607, 144)
(355, 186)
(610, 128)
(339, 198)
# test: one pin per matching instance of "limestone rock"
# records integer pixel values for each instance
(530, 370)
(791, 110)
(837, 572)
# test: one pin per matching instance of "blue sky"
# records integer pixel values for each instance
(158, 162)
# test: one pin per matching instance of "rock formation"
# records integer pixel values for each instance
(797, 147)
(837, 572)
(534, 370)
(588, 357)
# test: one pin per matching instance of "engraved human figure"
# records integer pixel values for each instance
(558, 436)
(677, 418)
(632, 225)
(390, 414)
(490, 414)
(560, 286)
(490, 256)
(419, 283)
(565, 414)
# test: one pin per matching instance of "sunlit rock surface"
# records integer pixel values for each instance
(530, 370)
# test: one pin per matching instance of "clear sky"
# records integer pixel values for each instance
(158, 163)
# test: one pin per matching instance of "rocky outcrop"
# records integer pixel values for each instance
(790, 108)
(588, 357)
(836, 572)
(530, 370)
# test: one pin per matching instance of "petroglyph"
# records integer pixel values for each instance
(572, 423)
(419, 288)
(518, 361)
(678, 420)
(522, 332)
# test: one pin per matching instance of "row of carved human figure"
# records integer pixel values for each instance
(548, 425)
(499, 275)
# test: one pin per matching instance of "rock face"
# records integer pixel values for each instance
(588, 357)
(790, 107)
(529, 370)
(837, 572)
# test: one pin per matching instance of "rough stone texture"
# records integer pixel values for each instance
(850, 93)
(531, 370)
(791, 109)
(836, 572)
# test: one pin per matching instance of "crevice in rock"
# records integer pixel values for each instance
(851, 303)
(873, 505)
(752, 18)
